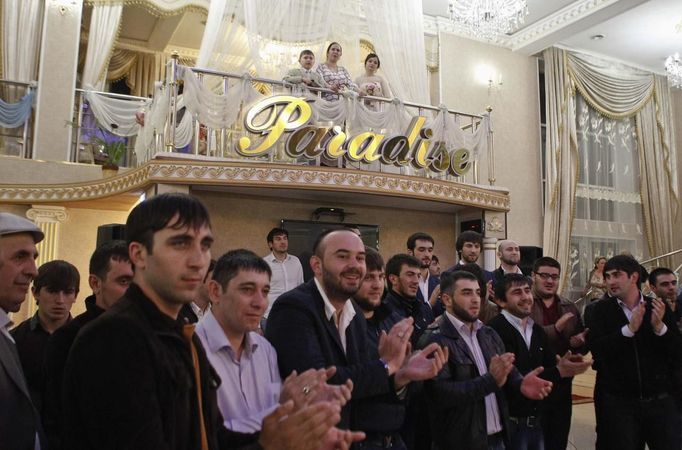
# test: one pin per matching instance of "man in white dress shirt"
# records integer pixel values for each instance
(287, 272)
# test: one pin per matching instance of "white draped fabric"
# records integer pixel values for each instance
(616, 92)
(104, 26)
(224, 45)
(117, 112)
(397, 31)
(276, 38)
(22, 25)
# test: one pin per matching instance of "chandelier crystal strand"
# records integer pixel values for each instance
(673, 66)
(487, 19)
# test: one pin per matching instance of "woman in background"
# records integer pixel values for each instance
(596, 286)
(370, 83)
(337, 77)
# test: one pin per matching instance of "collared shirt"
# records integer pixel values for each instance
(628, 313)
(198, 311)
(5, 324)
(342, 318)
(250, 386)
(424, 287)
(492, 411)
(286, 275)
(526, 333)
(518, 270)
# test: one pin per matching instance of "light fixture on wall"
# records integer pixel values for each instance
(673, 66)
(486, 19)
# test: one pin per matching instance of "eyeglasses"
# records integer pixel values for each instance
(548, 276)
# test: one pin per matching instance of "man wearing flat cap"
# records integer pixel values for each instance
(19, 421)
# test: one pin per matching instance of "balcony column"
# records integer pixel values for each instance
(490, 254)
(57, 80)
(48, 219)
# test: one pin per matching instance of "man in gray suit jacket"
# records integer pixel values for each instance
(20, 427)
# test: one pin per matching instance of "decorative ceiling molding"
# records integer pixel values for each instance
(435, 24)
(260, 176)
(159, 8)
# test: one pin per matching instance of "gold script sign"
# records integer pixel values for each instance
(274, 116)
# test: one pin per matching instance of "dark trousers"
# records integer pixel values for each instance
(556, 415)
(526, 434)
(629, 423)
(377, 441)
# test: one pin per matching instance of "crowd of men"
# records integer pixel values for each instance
(180, 351)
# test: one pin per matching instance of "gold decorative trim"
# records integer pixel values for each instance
(261, 175)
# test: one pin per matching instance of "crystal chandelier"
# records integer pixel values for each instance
(673, 66)
(486, 19)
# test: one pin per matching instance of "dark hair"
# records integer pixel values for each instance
(154, 214)
(277, 232)
(330, 47)
(476, 270)
(449, 279)
(211, 268)
(100, 261)
(373, 259)
(305, 52)
(434, 258)
(57, 275)
(396, 263)
(627, 264)
(546, 261)
(658, 272)
(229, 265)
(467, 236)
(412, 240)
(509, 280)
(373, 55)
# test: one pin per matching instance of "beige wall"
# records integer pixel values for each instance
(516, 122)
(244, 222)
(676, 102)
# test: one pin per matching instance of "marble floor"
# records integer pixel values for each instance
(582, 434)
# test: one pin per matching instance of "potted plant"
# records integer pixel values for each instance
(113, 153)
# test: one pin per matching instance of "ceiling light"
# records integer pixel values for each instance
(673, 66)
(597, 37)
(487, 19)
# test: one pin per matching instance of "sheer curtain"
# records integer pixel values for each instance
(22, 25)
(617, 92)
(104, 27)
(397, 31)
(224, 45)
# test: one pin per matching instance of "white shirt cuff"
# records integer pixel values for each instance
(626, 331)
(664, 329)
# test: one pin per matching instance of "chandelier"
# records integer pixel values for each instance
(673, 66)
(486, 19)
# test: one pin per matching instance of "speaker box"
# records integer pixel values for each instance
(471, 225)
(110, 232)
(528, 256)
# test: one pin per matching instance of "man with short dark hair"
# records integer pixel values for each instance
(420, 245)
(468, 245)
(316, 325)
(55, 289)
(663, 282)
(528, 342)
(434, 267)
(136, 377)
(635, 343)
(403, 273)
(20, 427)
(561, 322)
(287, 272)
(110, 275)
(467, 408)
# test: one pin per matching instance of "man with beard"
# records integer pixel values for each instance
(663, 282)
(468, 409)
(468, 248)
(636, 344)
(528, 342)
(420, 245)
(287, 272)
(509, 253)
(315, 326)
(561, 322)
(382, 416)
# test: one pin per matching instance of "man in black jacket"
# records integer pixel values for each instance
(316, 325)
(635, 342)
(528, 342)
(110, 275)
(468, 409)
(137, 378)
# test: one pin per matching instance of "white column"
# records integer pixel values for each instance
(490, 253)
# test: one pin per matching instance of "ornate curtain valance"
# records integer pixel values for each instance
(158, 8)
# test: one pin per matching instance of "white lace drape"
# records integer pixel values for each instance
(224, 45)
(104, 24)
(114, 114)
(22, 25)
(397, 31)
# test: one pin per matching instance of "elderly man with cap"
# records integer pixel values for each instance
(19, 420)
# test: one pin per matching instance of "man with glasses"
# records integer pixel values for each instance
(561, 323)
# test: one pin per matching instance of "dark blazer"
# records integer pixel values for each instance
(457, 395)
(415, 308)
(631, 367)
(432, 282)
(19, 420)
(304, 339)
(130, 384)
(539, 354)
